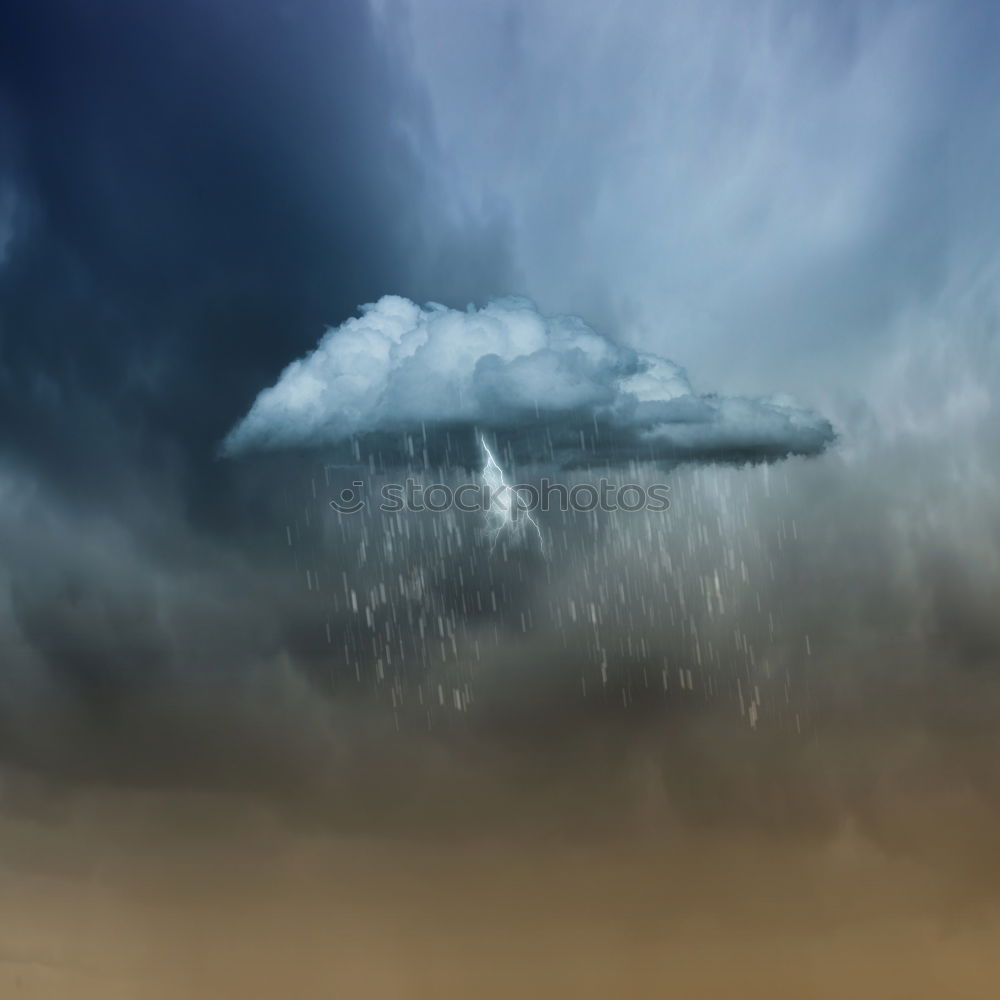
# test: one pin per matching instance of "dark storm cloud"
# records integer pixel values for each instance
(552, 388)
(682, 743)
(198, 190)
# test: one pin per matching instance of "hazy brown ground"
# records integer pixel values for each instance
(389, 920)
(857, 865)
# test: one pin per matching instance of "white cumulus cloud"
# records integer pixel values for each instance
(556, 388)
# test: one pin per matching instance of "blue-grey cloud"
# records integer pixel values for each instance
(739, 185)
(566, 393)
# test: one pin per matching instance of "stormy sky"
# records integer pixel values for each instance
(756, 243)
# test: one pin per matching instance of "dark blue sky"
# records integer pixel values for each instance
(194, 190)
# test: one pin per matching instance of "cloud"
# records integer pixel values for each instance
(555, 389)
(768, 182)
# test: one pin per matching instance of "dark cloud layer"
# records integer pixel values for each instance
(250, 747)
(196, 192)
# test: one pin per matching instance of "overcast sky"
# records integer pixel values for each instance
(763, 193)
(775, 197)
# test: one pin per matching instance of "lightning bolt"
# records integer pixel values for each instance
(504, 511)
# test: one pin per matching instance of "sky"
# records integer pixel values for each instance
(251, 252)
